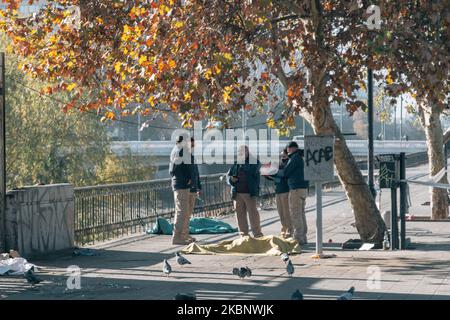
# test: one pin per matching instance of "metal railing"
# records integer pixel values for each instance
(111, 211)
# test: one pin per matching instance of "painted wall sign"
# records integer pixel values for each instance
(319, 165)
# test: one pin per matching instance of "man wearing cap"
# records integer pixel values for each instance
(181, 172)
(298, 191)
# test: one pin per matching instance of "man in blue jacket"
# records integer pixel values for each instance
(298, 191)
(181, 172)
(282, 197)
(244, 181)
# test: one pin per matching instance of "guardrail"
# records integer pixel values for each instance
(111, 211)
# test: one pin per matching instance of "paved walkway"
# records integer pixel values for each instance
(131, 269)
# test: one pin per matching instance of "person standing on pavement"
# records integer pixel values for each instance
(181, 172)
(282, 197)
(298, 191)
(244, 180)
(194, 191)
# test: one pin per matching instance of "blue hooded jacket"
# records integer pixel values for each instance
(294, 172)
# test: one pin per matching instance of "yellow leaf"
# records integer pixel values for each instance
(117, 66)
(171, 63)
(71, 86)
(271, 123)
(110, 115)
(151, 100)
(228, 56)
(226, 94)
(142, 59)
(179, 24)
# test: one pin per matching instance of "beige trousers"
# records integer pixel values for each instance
(297, 201)
(182, 214)
(191, 201)
(282, 200)
(244, 204)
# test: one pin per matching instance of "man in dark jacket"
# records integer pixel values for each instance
(244, 181)
(298, 191)
(282, 197)
(194, 191)
(181, 173)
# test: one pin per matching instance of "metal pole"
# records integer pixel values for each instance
(319, 239)
(395, 122)
(402, 201)
(342, 114)
(244, 123)
(304, 127)
(394, 223)
(370, 159)
(2, 154)
(139, 126)
(401, 118)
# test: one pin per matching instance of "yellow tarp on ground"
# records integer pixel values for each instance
(267, 245)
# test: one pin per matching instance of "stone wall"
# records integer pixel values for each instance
(40, 219)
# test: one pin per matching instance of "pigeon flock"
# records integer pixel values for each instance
(244, 272)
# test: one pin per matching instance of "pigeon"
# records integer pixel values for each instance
(181, 260)
(248, 272)
(285, 257)
(290, 268)
(347, 295)
(297, 295)
(242, 272)
(31, 278)
(185, 296)
(167, 269)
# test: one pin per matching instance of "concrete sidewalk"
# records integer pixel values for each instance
(132, 269)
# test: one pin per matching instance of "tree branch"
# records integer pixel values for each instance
(447, 135)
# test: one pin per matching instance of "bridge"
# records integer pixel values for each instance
(357, 147)
(160, 150)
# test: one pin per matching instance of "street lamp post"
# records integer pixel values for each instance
(370, 133)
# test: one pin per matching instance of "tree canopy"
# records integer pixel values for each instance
(199, 59)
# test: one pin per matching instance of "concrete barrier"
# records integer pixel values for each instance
(40, 219)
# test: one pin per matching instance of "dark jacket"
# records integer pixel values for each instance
(281, 184)
(294, 172)
(252, 174)
(195, 175)
(181, 173)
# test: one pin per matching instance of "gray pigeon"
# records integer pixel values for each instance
(185, 296)
(285, 257)
(297, 295)
(248, 272)
(242, 272)
(167, 269)
(290, 268)
(181, 260)
(347, 295)
(31, 278)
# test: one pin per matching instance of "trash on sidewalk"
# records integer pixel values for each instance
(85, 252)
(15, 266)
(367, 246)
(354, 244)
(323, 256)
(14, 254)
